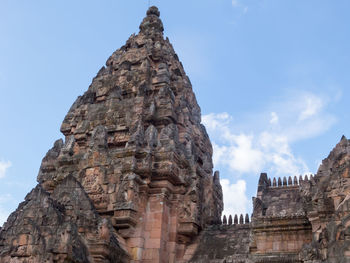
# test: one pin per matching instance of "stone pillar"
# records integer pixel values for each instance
(156, 229)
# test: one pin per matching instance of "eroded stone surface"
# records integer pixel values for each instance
(223, 242)
(305, 220)
(326, 201)
(61, 227)
(135, 144)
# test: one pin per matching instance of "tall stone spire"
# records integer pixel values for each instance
(135, 145)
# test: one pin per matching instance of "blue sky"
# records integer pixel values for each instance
(271, 78)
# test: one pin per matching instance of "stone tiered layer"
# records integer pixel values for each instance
(59, 227)
(135, 143)
(326, 202)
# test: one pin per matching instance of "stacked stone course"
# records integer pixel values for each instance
(135, 144)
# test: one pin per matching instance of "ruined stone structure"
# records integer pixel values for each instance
(133, 181)
(305, 220)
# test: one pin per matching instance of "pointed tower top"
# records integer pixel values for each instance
(151, 24)
(343, 142)
(153, 10)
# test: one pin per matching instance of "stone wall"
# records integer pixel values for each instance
(223, 243)
(277, 232)
(280, 226)
(294, 220)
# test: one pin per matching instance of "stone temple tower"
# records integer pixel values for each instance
(132, 180)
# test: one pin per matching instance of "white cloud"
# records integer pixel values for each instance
(251, 153)
(235, 3)
(214, 121)
(262, 142)
(238, 154)
(274, 118)
(233, 150)
(266, 145)
(313, 105)
(279, 158)
(3, 168)
(307, 116)
(235, 198)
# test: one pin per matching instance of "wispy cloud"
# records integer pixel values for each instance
(263, 142)
(251, 152)
(274, 118)
(236, 201)
(4, 165)
(268, 147)
(235, 3)
(238, 4)
(313, 105)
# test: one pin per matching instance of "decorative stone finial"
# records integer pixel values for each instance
(216, 178)
(279, 181)
(246, 218)
(224, 221)
(263, 182)
(230, 220)
(284, 181)
(153, 10)
(241, 220)
(295, 182)
(274, 182)
(151, 24)
(235, 221)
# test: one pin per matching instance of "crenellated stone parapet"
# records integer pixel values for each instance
(279, 225)
(237, 219)
(288, 181)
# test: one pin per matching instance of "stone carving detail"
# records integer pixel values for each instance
(305, 220)
(326, 200)
(59, 227)
(135, 143)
